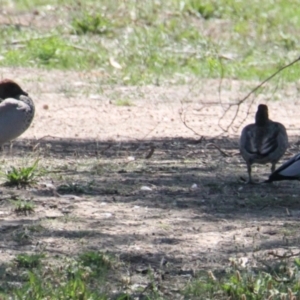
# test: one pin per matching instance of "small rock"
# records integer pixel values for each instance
(49, 185)
(107, 215)
(194, 186)
(146, 188)
(53, 214)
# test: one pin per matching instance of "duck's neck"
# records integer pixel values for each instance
(261, 118)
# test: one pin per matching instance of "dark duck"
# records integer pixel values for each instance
(263, 142)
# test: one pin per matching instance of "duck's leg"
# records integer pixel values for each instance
(273, 167)
(249, 173)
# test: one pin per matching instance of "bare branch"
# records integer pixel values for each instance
(218, 148)
(284, 256)
(238, 104)
(182, 118)
(150, 153)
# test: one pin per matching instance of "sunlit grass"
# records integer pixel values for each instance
(156, 41)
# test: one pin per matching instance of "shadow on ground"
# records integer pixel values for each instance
(181, 201)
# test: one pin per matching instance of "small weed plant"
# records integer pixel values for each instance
(23, 206)
(22, 176)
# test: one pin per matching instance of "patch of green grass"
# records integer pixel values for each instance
(235, 284)
(91, 23)
(28, 261)
(75, 279)
(22, 176)
(23, 207)
(205, 9)
(123, 102)
(75, 188)
(160, 40)
(59, 287)
(53, 52)
(98, 262)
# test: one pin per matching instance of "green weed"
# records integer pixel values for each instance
(28, 261)
(23, 207)
(22, 176)
(88, 23)
(123, 102)
(72, 279)
(75, 188)
(277, 282)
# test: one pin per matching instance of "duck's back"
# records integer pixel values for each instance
(262, 144)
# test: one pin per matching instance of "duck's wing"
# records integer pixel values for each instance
(10, 108)
(258, 142)
(274, 138)
(12, 119)
(274, 141)
(290, 170)
(248, 141)
(269, 143)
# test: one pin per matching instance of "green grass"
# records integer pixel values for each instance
(158, 41)
(75, 188)
(28, 261)
(94, 275)
(82, 277)
(23, 207)
(22, 176)
(123, 102)
(91, 23)
(278, 282)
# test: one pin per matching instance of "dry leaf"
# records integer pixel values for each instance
(114, 63)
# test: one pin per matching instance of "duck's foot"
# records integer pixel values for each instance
(268, 181)
(253, 182)
(249, 181)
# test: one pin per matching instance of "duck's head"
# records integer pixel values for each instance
(10, 89)
(262, 115)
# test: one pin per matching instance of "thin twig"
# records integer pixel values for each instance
(106, 148)
(238, 104)
(151, 130)
(284, 256)
(150, 153)
(187, 126)
(218, 148)
(47, 136)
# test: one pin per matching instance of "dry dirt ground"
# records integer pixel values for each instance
(182, 210)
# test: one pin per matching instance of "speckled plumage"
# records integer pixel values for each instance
(16, 111)
(263, 142)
